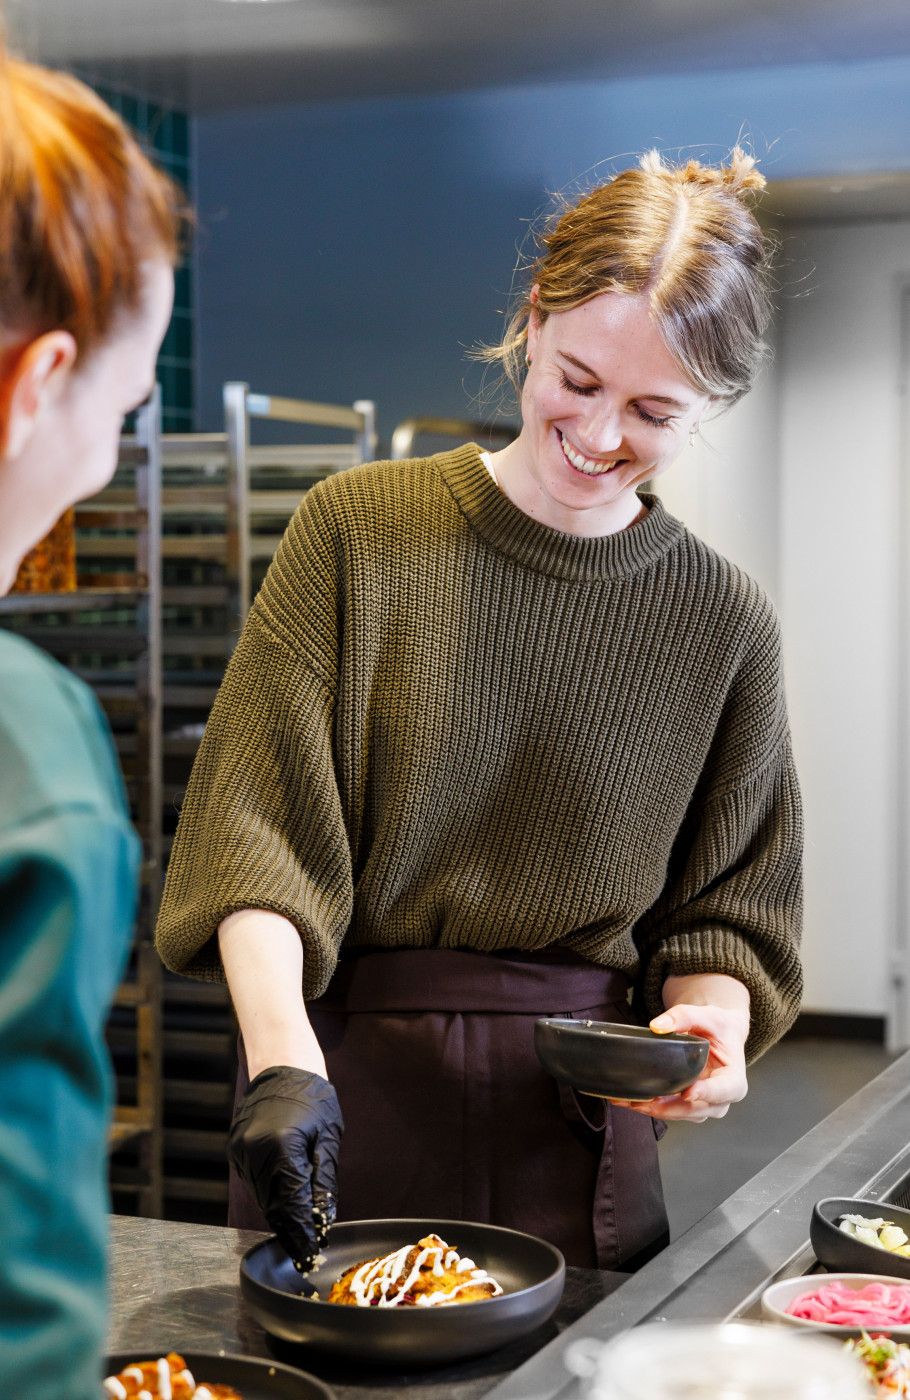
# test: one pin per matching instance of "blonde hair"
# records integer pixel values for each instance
(685, 236)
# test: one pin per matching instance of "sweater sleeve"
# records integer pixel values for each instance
(732, 902)
(261, 825)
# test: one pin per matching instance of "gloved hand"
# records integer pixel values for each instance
(284, 1143)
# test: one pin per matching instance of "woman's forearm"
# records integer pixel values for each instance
(263, 961)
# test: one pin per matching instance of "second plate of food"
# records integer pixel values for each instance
(249, 1376)
(530, 1272)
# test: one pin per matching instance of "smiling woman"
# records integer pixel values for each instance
(502, 739)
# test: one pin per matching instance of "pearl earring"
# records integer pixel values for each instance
(693, 433)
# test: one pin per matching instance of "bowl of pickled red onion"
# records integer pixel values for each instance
(843, 1304)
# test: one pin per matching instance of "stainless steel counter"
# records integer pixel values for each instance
(176, 1286)
(717, 1270)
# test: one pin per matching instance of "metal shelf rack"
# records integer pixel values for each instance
(225, 501)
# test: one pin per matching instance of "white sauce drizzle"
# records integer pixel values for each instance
(203, 1393)
(164, 1379)
(134, 1374)
(375, 1279)
(115, 1388)
(186, 1376)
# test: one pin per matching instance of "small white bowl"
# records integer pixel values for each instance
(778, 1296)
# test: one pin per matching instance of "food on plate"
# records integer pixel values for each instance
(883, 1234)
(887, 1363)
(168, 1378)
(426, 1275)
(876, 1305)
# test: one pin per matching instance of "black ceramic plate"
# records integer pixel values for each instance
(616, 1061)
(842, 1253)
(531, 1272)
(251, 1377)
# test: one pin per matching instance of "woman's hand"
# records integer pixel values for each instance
(286, 1132)
(716, 1007)
(284, 1143)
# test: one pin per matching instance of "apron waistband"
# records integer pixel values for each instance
(549, 983)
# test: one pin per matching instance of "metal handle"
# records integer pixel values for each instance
(462, 428)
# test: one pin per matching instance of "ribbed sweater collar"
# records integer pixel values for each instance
(490, 512)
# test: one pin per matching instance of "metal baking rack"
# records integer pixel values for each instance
(225, 502)
(109, 632)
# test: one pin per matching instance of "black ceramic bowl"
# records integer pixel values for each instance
(532, 1274)
(618, 1062)
(843, 1253)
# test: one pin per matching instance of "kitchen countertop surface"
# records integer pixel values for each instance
(176, 1287)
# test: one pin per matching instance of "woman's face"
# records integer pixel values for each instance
(62, 431)
(605, 407)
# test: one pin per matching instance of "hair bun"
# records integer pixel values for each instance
(739, 176)
(742, 172)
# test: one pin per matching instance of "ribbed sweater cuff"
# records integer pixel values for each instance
(775, 993)
(192, 947)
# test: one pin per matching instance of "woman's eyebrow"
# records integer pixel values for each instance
(662, 398)
(592, 374)
(579, 364)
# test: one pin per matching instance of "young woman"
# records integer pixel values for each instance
(88, 232)
(502, 739)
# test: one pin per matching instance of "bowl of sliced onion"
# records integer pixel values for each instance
(861, 1236)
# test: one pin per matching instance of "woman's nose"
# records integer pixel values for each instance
(601, 433)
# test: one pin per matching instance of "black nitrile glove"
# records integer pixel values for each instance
(284, 1144)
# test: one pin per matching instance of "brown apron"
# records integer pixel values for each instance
(449, 1114)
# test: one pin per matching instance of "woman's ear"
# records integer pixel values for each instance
(32, 378)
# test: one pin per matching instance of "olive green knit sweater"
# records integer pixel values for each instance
(449, 726)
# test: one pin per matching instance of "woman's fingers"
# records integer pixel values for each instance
(719, 1024)
(723, 1080)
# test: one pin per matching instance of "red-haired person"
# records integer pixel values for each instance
(88, 238)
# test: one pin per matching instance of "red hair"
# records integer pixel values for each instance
(81, 208)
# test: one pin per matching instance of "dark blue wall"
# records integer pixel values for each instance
(354, 249)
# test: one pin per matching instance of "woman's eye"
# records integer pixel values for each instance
(650, 418)
(586, 390)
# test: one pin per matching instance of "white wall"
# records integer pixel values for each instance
(726, 487)
(802, 490)
(840, 539)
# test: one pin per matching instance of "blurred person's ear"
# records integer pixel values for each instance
(31, 382)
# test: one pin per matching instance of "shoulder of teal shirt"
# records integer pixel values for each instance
(55, 743)
(68, 866)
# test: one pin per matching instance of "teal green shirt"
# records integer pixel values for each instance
(68, 866)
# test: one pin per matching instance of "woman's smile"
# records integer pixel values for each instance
(588, 466)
